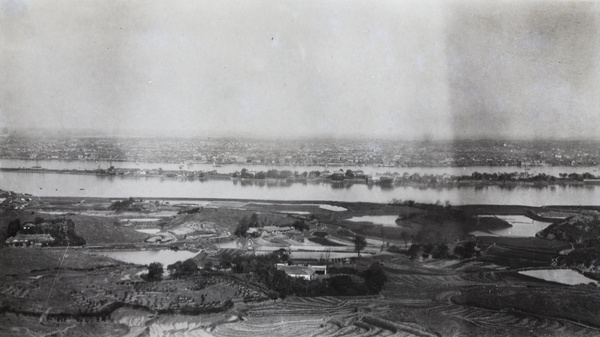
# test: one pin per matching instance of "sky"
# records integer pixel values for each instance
(408, 70)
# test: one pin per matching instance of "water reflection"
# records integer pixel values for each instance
(50, 184)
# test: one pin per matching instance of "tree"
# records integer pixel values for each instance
(374, 278)
(414, 251)
(183, 269)
(405, 237)
(155, 271)
(359, 243)
(300, 225)
(242, 228)
(254, 220)
(349, 174)
(282, 255)
(466, 250)
(13, 228)
(440, 251)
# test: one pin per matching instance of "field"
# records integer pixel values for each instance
(77, 292)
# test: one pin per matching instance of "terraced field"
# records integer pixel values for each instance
(321, 316)
(438, 301)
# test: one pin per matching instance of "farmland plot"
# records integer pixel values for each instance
(443, 301)
(320, 316)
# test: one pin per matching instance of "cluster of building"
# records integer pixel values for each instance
(10, 200)
(30, 240)
(313, 152)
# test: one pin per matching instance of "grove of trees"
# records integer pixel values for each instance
(183, 269)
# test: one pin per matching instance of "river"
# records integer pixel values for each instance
(82, 186)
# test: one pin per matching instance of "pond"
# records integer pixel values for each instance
(385, 220)
(522, 226)
(141, 220)
(148, 230)
(145, 257)
(564, 276)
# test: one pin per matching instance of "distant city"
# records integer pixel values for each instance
(308, 152)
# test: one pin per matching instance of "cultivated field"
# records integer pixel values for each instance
(77, 292)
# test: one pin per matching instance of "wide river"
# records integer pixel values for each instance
(54, 184)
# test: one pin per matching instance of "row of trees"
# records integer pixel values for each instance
(254, 221)
(529, 178)
(464, 250)
(264, 175)
(125, 205)
(177, 270)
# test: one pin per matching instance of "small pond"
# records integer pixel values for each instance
(141, 220)
(333, 208)
(145, 257)
(564, 276)
(295, 212)
(522, 226)
(385, 220)
(148, 230)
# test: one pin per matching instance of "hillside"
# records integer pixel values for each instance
(575, 229)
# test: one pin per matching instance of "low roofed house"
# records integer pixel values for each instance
(304, 272)
(277, 229)
(26, 240)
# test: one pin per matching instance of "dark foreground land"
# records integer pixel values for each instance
(438, 279)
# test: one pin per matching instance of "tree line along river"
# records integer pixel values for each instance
(82, 186)
(231, 168)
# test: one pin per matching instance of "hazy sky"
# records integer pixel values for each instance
(395, 69)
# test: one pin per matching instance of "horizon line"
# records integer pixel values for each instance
(131, 133)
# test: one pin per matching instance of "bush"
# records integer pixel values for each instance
(374, 278)
(13, 228)
(127, 204)
(414, 251)
(300, 225)
(155, 271)
(466, 250)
